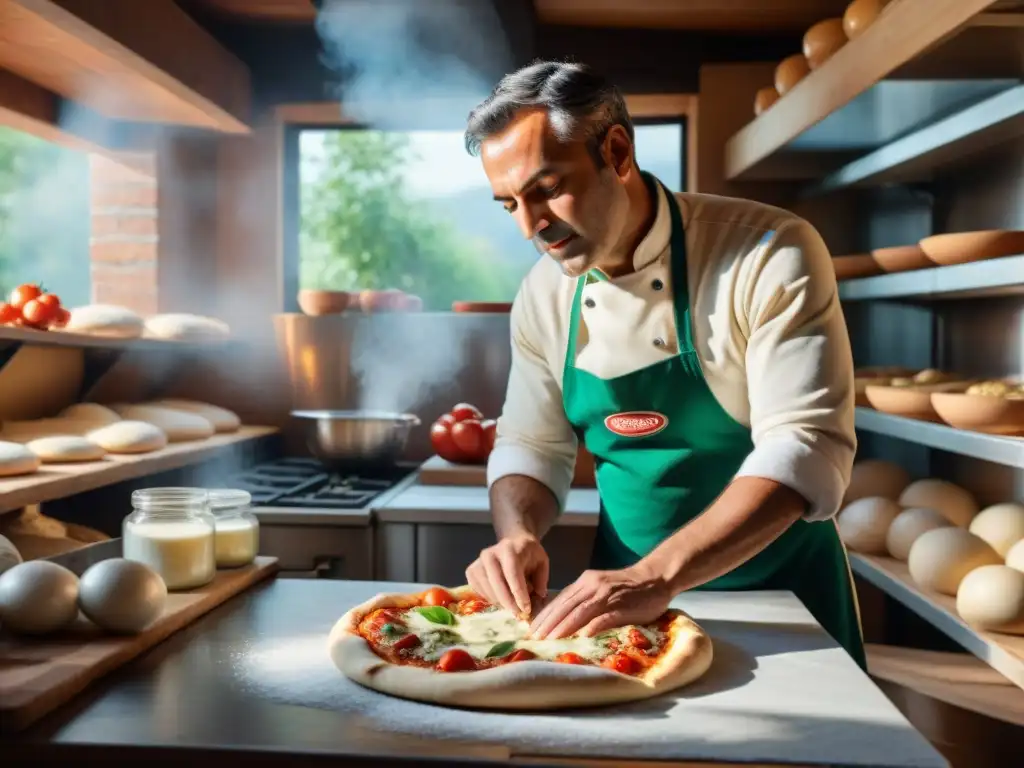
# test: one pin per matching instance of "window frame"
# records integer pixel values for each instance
(292, 119)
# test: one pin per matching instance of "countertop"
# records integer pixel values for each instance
(461, 504)
(253, 678)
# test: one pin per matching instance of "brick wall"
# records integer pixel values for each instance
(124, 238)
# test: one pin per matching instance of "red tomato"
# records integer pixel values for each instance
(520, 654)
(490, 427)
(444, 446)
(23, 294)
(446, 418)
(620, 662)
(49, 299)
(468, 437)
(9, 314)
(570, 658)
(37, 314)
(405, 643)
(638, 639)
(456, 660)
(62, 318)
(464, 411)
(438, 596)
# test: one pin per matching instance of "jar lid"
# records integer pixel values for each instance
(222, 499)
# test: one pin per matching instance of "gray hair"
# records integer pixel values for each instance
(580, 104)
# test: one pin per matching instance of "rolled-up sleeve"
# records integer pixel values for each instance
(534, 437)
(799, 371)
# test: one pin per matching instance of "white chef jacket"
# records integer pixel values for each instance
(768, 330)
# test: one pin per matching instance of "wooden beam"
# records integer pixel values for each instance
(127, 60)
(908, 29)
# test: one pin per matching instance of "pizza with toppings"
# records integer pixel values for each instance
(452, 647)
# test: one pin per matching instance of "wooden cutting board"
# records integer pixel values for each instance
(437, 471)
(37, 675)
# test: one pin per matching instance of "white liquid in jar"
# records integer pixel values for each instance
(181, 552)
(238, 542)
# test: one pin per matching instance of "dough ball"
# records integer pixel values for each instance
(38, 597)
(992, 598)
(9, 555)
(65, 448)
(940, 558)
(222, 419)
(951, 501)
(90, 413)
(186, 327)
(16, 459)
(1001, 525)
(177, 425)
(908, 526)
(129, 437)
(105, 320)
(864, 524)
(121, 595)
(873, 477)
(1015, 556)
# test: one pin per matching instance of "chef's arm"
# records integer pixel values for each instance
(531, 467)
(801, 392)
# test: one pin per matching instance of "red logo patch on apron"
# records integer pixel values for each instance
(636, 423)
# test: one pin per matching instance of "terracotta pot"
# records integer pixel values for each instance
(324, 302)
(388, 300)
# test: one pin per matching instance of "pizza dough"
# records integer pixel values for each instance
(953, 502)
(940, 559)
(186, 327)
(38, 597)
(90, 413)
(908, 526)
(1015, 556)
(129, 437)
(864, 524)
(1001, 525)
(105, 320)
(873, 477)
(9, 555)
(177, 425)
(222, 419)
(523, 685)
(16, 459)
(992, 598)
(121, 595)
(64, 449)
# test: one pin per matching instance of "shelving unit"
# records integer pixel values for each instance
(993, 277)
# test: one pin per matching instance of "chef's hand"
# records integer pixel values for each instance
(600, 600)
(508, 573)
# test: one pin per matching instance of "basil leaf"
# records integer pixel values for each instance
(501, 649)
(437, 614)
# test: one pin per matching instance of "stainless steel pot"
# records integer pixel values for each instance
(350, 439)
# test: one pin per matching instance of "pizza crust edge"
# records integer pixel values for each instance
(524, 685)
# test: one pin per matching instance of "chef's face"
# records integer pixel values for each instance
(572, 209)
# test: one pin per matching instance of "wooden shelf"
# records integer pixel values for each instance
(55, 481)
(907, 29)
(1000, 450)
(10, 335)
(993, 277)
(145, 62)
(1004, 653)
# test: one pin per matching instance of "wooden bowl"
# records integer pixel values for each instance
(764, 98)
(858, 265)
(324, 302)
(482, 306)
(822, 41)
(910, 402)
(902, 258)
(861, 14)
(964, 247)
(791, 70)
(980, 413)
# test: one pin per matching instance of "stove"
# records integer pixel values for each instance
(305, 483)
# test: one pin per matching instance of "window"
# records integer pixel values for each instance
(44, 217)
(412, 210)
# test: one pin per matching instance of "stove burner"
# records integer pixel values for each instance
(304, 483)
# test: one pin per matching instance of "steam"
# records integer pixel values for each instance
(406, 65)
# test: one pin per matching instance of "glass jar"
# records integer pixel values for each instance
(172, 531)
(237, 529)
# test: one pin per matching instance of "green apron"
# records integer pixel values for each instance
(673, 450)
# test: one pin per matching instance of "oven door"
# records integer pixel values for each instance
(319, 552)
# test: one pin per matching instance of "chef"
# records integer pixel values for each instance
(693, 343)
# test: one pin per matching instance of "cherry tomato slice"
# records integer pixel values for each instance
(520, 654)
(464, 411)
(638, 639)
(620, 662)
(438, 596)
(475, 605)
(570, 658)
(456, 660)
(406, 642)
